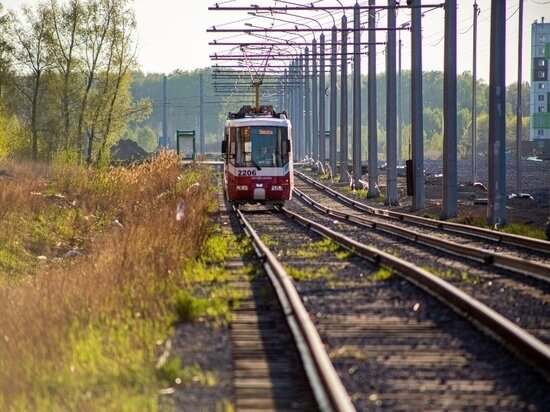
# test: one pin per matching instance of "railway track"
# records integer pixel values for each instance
(413, 353)
(497, 279)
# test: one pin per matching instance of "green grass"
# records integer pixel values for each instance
(382, 275)
(524, 230)
(304, 274)
(320, 248)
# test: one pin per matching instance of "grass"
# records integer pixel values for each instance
(382, 275)
(512, 228)
(349, 351)
(320, 248)
(524, 230)
(304, 274)
(81, 333)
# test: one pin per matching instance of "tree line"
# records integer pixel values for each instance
(65, 79)
(183, 99)
(70, 86)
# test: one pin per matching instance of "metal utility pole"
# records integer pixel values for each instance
(374, 191)
(356, 95)
(300, 105)
(400, 100)
(307, 108)
(322, 114)
(391, 111)
(344, 101)
(333, 100)
(417, 108)
(165, 140)
(450, 178)
(496, 207)
(474, 98)
(201, 114)
(314, 107)
(519, 121)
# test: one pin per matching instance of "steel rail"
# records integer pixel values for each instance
(325, 382)
(517, 340)
(487, 234)
(534, 269)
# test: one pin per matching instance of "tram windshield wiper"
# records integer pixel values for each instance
(252, 161)
(255, 164)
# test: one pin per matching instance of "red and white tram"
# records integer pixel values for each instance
(257, 151)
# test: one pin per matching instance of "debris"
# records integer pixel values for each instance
(180, 211)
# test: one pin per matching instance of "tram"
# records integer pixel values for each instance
(257, 151)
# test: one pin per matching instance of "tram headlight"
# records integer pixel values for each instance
(277, 188)
(242, 187)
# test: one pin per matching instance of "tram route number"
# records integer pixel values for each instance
(246, 173)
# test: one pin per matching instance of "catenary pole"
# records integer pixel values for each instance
(474, 97)
(450, 208)
(356, 144)
(344, 101)
(417, 124)
(519, 119)
(333, 100)
(374, 191)
(496, 206)
(391, 111)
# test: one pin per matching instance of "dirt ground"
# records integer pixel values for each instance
(525, 210)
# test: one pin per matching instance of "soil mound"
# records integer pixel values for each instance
(127, 150)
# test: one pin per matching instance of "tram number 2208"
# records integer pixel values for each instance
(246, 173)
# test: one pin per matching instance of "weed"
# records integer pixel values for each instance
(382, 275)
(349, 351)
(303, 274)
(524, 230)
(320, 248)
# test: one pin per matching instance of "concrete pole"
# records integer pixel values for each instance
(497, 121)
(322, 113)
(344, 102)
(333, 101)
(356, 95)
(450, 179)
(417, 109)
(391, 111)
(314, 106)
(374, 191)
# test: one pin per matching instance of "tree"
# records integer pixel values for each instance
(6, 51)
(65, 43)
(30, 55)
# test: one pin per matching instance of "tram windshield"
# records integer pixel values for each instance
(259, 146)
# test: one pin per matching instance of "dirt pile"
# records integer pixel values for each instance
(127, 150)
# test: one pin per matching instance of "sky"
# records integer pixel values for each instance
(172, 33)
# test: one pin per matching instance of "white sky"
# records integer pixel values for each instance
(172, 33)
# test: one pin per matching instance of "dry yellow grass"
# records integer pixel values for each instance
(72, 329)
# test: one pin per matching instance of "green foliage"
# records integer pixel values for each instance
(524, 230)
(171, 370)
(308, 273)
(382, 275)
